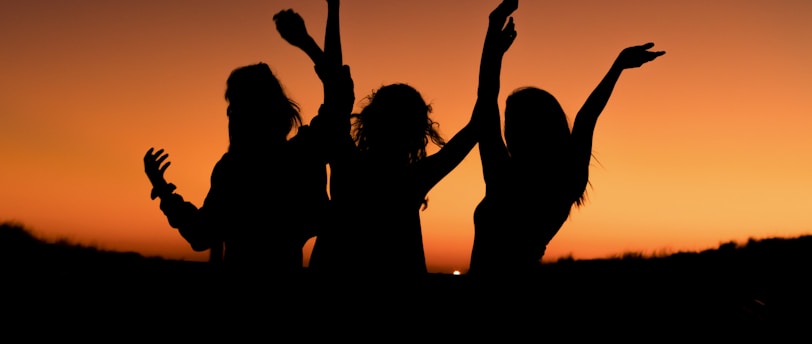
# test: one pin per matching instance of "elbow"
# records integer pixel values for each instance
(198, 242)
(199, 247)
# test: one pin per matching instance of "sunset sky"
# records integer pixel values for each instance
(709, 143)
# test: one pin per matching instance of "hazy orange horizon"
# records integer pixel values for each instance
(704, 145)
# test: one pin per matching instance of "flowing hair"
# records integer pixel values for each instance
(396, 116)
(535, 120)
(258, 105)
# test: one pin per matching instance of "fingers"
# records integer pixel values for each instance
(510, 27)
(636, 56)
(155, 158)
(279, 15)
(161, 159)
(509, 32)
(164, 167)
(151, 154)
(287, 18)
(651, 55)
(283, 14)
(148, 156)
(646, 46)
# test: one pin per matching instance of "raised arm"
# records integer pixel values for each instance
(485, 123)
(586, 119)
(339, 93)
(332, 35)
(328, 63)
(291, 27)
(498, 39)
(332, 124)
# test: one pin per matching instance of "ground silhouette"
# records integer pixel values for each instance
(759, 287)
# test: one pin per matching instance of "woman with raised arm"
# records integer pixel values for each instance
(268, 193)
(380, 176)
(537, 173)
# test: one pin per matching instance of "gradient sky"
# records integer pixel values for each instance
(708, 143)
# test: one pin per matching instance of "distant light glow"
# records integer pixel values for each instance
(456, 272)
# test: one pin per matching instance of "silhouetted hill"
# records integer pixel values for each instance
(760, 286)
(23, 254)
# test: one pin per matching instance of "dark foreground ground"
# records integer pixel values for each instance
(755, 290)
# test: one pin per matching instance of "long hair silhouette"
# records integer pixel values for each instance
(258, 108)
(396, 121)
(537, 173)
(268, 191)
(380, 173)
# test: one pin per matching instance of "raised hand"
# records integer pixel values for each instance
(507, 36)
(636, 56)
(500, 35)
(291, 27)
(155, 167)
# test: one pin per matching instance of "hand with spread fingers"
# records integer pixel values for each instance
(155, 167)
(500, 34)
(636, 56)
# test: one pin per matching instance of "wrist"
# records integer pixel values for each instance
(161, 191)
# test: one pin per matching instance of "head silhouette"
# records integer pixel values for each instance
(395, 123)
(535, 125)
(258, 109)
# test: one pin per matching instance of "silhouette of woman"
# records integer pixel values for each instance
(380, 176)
(268, 193)
(537, 173)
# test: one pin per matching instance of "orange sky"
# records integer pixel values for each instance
(708, 143)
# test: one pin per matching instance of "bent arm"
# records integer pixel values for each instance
(291, 27)
(182, 215)
(186, 218)
(332, 122)
(585, 121)
(201, 227)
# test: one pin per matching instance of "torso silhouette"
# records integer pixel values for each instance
(263, 209)
(377, 221)
(521, 212)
